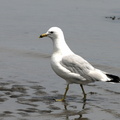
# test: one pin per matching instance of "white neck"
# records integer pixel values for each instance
(59, 45)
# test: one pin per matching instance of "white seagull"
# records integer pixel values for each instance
(72, 67)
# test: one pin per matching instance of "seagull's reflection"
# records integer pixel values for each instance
(71, 113)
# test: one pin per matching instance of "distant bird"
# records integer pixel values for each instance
(72, 67)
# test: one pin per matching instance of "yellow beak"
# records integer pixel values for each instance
(43, 35)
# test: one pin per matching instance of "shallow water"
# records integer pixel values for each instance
(29, 87)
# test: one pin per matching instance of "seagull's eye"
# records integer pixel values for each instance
(51, 32)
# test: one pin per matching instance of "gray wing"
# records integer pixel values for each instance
(77, 65)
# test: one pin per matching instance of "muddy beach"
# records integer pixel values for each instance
(29, 87)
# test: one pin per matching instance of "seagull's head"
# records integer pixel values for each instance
(53, 33)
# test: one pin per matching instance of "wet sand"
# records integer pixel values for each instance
(27, 100)
(29, 87)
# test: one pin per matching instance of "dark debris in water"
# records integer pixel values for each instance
(34, 110)
(37, 87)
(92, 93)
(5, 89)
(6, 114)
(40, 92)
(3, 99)
(19, 88)
(52, 107)
(16, 96)
(29, 110)
(14, 88)
(113, 17)
(26, 102)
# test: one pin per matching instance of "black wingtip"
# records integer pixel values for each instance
(113, 78)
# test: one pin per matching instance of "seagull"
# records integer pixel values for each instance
(72, 67)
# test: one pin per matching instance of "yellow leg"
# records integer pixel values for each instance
(64, 96)
(83, 92)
